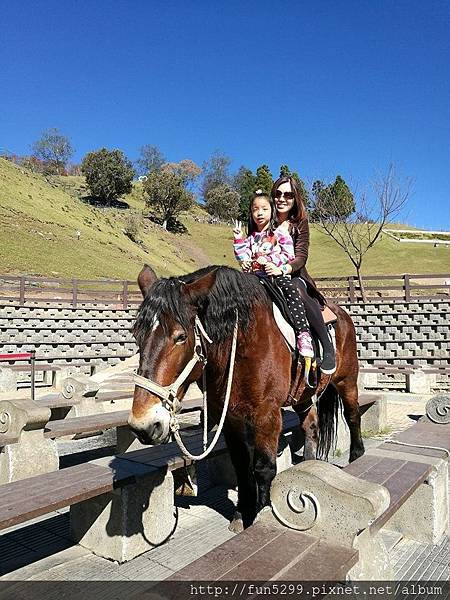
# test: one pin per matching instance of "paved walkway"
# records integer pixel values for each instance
(42, 550)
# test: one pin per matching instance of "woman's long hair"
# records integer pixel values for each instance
(251, 225)
(298, 210)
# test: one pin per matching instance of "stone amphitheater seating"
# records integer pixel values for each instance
(91, 338)
(86, 339)
(395, 335)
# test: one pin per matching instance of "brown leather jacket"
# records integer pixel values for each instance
(300, 237)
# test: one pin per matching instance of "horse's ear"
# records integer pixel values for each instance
(146, 279)
(197, 290)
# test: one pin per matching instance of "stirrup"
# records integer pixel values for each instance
(308, 364)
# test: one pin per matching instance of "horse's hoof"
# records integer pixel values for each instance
(354, 454)
(237, 524)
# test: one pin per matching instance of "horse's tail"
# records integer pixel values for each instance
(328, 410)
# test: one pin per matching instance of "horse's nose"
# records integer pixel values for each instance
(151, 434)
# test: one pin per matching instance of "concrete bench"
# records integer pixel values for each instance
(57, 369)
(270, 552)
(28, 437)
(120, 506)
(417, 379)
(397, 488)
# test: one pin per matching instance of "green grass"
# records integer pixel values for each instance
(369, 433)
(39, 220)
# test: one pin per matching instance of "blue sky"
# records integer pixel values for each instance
(326, 86)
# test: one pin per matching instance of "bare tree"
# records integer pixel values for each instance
(359, 232)
(54, 149)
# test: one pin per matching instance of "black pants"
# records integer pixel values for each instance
(314, 314)
(294, 300)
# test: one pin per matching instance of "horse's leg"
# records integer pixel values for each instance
(267, 434)
(309, 425)
(348, 391)
(345, 379)
(240, 448)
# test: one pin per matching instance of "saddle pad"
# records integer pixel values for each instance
(286, 330)
(328, 315)
(289, 334)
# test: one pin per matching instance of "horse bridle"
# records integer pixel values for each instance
(168, 393)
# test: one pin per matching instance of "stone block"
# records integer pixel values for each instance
(424, 517)
(76, 386)
(342, 436)
(374, 563)
(418, 382)
(321, 499)
(367, 380)
(375, 417)
(324, 501)
(127, 522)
(86, 407)
(31, 454)
(8, 380)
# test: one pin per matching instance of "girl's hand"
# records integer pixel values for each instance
(246, 265)
(271, 269)
(237, 229)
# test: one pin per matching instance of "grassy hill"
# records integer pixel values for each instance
(39, 220)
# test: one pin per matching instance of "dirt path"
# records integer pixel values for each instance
(201, 258)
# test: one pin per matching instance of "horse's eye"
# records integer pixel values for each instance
(180, 338)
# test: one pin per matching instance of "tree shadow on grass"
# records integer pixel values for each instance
(98, 203)
(173, 224)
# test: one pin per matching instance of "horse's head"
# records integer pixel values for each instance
(167, 336)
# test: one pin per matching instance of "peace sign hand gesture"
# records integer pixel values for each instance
(237, 229)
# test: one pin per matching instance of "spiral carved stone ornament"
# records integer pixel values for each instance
(322, 500)
(5, 421)
(68, 390)
(438, 409)
(297, 509)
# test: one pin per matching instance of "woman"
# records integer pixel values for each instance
(292, 216)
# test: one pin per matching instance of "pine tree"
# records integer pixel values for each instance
(264, 180)
(334, 200)
(344, 198)
(245, 184)
(108, 174)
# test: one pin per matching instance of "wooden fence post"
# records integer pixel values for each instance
(74, 292)
(351, 289)
(407, 287)
(125, 295)
(22, 291)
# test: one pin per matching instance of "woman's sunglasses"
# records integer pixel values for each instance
(287, 195)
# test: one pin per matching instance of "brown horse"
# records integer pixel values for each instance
(165, 332)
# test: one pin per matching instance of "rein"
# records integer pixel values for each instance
(168, 393)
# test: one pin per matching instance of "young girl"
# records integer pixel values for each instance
(265, 245)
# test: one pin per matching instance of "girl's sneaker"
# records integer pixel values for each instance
(305, 345)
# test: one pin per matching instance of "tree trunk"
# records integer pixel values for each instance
(165, 224)
(361, 284)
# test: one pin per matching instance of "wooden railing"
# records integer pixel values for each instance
(125, 294)
(74, 292)
(405, 287)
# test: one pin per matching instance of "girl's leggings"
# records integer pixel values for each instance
(295, 303)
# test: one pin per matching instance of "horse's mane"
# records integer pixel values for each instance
(231, 290)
